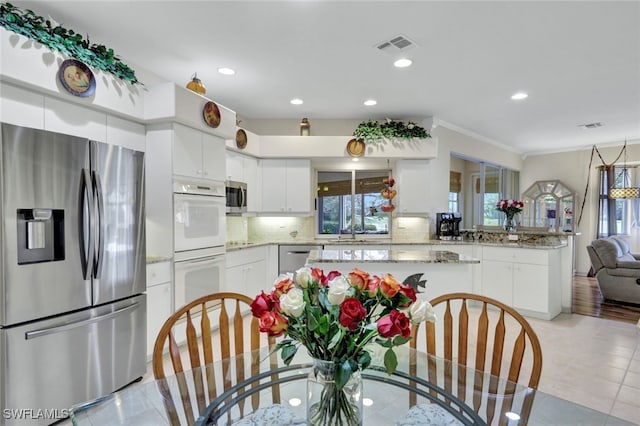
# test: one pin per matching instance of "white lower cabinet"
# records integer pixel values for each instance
(526, 279)
(158, 300)
(247, 271)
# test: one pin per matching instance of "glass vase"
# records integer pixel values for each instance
(509, 224)
(326, 404)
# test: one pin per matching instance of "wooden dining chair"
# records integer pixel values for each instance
(212, 328)
(503, 343)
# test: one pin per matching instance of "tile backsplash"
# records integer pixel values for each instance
(286, 229)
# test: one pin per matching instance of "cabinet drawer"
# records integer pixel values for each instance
(158, 273)
(246, 255)
(519, 255)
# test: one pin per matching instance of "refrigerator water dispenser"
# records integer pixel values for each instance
(40, 235)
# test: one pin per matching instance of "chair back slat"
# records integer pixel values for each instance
(498, 345)
(481, 345)
(517, 356)
(448, 332)
(208, 348)
(463, 334)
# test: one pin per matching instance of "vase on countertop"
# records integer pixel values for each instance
(509, 223)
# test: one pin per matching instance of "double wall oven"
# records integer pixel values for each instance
(199, 238)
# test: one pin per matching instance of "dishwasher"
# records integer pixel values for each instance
(292, 257)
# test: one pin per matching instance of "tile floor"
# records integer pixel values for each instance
(591, 361)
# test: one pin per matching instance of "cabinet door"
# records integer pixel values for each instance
(413, 186)
(158, 310)
(125, 133)
(256, 281)
(213, 157)
(274, 185)
(298, 186)
(251, 179)
(235, 166)
(235, 280)
(497, 280)
(531, 287)
(187, 151)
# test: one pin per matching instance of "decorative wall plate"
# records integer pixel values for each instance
(241, 139)
(77, 78)
(355, 148)
(211, 114)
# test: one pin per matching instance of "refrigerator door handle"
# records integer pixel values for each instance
(97, 187)
(47, 331)
(86, 226)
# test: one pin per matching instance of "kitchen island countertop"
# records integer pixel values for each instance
(388, 256)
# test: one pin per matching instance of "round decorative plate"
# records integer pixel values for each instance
(211, 114)
(77, 78)
(241, 139)
(355, 148)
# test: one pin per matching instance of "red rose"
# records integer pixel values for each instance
(282, 287)
(409, 293)
(359, 279)
(261, 304)
(372, 286)
(351, 313)
(396, 323)
(389, 286)
(273, 324)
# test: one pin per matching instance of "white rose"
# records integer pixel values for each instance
(303, 277)
(420, 311)
(292, 303)
(338, 288)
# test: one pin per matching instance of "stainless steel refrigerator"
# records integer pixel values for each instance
(72, 272)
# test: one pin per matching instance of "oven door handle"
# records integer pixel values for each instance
(208, 259)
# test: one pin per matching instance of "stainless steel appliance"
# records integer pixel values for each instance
(448, 226)
(72, 308)
(294, 256)
(199, 239)
(236, 193)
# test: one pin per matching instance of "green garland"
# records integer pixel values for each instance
(28, 24)
(373, 132)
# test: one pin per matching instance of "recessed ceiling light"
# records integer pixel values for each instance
(226, 71)
(370, 102)
(519, 96)
(402, 63)
(296, 101)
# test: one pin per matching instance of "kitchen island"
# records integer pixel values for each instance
(443, 271)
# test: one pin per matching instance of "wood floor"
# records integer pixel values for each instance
(587, 300)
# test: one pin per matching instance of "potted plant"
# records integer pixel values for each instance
(372, 131)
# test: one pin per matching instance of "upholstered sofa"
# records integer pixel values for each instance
(616, 268)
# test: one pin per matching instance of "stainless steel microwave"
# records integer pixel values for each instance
(236, 197)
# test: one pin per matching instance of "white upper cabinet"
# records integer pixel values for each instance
(197, 154)
(412, 184)
(286, 186)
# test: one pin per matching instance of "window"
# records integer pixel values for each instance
(453, 202)
(355, 194)
(623, 207)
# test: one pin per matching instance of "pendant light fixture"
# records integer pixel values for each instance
(625, 192)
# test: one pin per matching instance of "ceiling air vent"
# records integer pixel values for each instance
(398, 43)
(591, 125)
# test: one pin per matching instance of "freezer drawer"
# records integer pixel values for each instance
(66, 360)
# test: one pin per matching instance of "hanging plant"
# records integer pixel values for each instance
(67, 42)
(372, 131)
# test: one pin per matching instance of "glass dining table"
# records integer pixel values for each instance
(258, 389)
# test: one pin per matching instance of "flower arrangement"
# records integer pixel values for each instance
(334, 317)
(510, 207)
(374, 132)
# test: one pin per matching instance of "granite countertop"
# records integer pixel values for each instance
(157, 259)
(387, 256)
